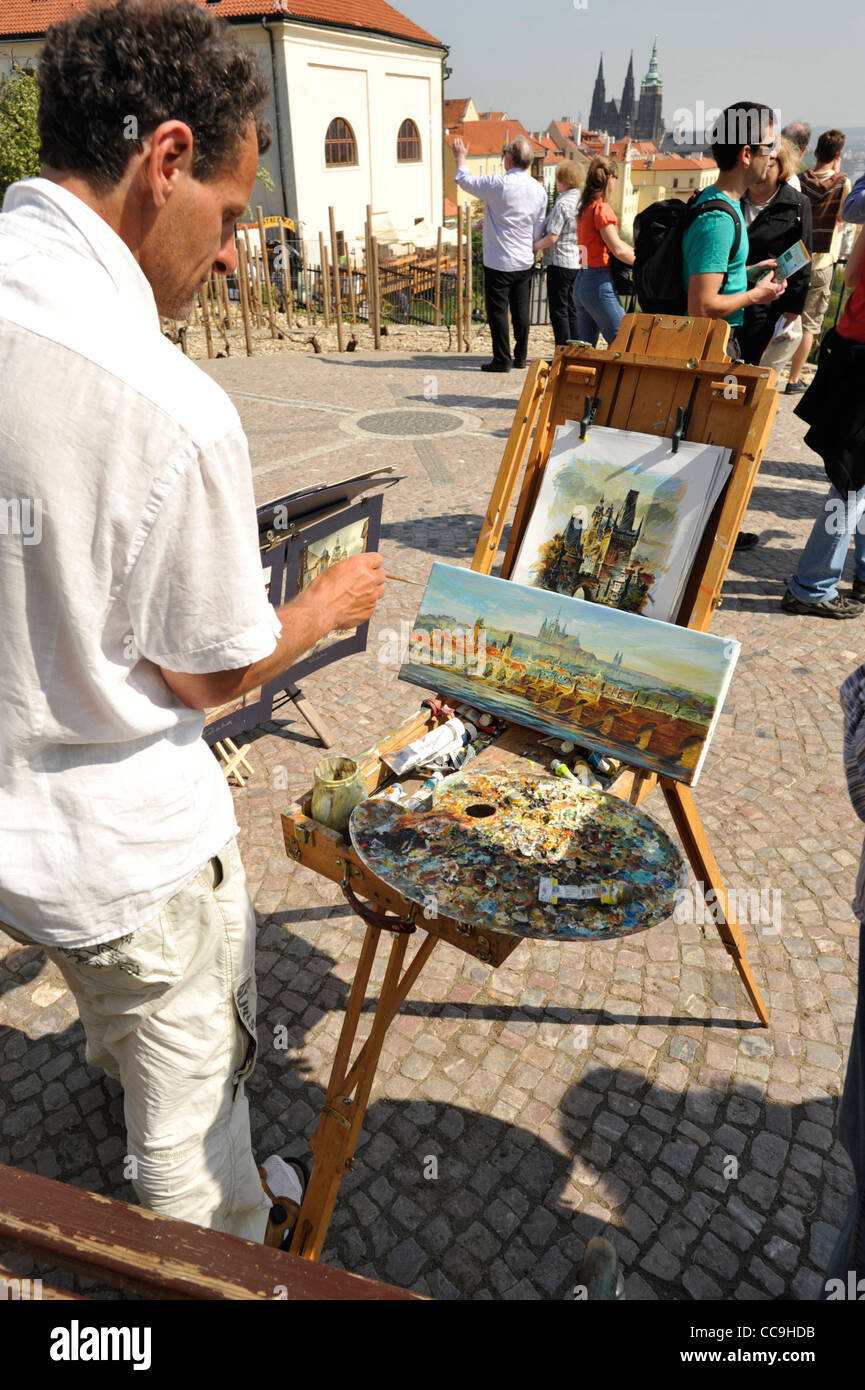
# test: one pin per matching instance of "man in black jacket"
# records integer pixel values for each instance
(777, 216)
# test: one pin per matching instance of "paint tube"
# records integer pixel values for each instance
(607, 892)
(462, 756)
(583, 773)
(424, 796)
(394, 793)
(447, 738)
(561, 771)
(598, 763)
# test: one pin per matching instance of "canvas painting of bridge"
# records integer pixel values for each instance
(619, 517)
(647, 692)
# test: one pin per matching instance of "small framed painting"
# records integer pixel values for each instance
(310, 551)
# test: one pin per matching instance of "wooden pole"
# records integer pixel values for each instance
(460, 278)
(304, 268)
(469, 286)
(222, 282)
(286, 277)
(218, 289)
(205, 314)
(325, 281)
(270, 310)
(351, 299)
(438, 285)
(340, 338)
(254, 306)
(367, 261)
(376, 297)
(370, 311)
(243, 285)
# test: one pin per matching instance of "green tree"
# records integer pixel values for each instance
(19, 134)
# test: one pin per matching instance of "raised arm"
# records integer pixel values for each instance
(476, 184)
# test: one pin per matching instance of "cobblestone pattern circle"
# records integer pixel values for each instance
(408, 423)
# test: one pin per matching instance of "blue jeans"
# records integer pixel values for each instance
(822, 560)
(849, 1252)
(599, 308)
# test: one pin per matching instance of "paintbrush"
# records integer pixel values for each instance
(399, 580)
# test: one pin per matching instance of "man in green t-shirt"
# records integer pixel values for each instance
(714, 276)
(743, 143)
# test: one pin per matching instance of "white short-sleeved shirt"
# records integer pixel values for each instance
(128, 541)
(516, 205)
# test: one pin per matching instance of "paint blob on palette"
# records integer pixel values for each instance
(532, 856)
(647, 692)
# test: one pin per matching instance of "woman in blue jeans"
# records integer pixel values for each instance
(599, 309)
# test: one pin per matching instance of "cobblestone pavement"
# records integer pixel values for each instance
(621, 1088)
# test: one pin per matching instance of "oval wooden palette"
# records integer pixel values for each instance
(494, 845)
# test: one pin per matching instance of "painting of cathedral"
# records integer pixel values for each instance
(618, 519)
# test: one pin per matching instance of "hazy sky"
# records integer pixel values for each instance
(538, 61)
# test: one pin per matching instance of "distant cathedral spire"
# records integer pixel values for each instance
(626, 110)
(639, 117)
(598, 113)
(653, 77)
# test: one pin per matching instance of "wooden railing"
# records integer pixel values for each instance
(132, 1248)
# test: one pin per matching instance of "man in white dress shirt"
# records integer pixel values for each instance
(516, 208)
(138, 600)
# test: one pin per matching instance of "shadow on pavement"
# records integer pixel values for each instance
(703, 1192)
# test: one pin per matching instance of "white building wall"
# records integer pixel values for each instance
(375, 84)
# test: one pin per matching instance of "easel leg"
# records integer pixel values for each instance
(342, 1115)
(311, 715)
(680, 801)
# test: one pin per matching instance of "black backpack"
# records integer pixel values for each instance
(658, 232)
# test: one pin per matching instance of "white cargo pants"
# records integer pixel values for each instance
(170, 1012)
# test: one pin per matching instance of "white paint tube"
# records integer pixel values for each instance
(447, 738)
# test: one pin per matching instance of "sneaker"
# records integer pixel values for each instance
(837, 607)
(795, 388)
(746, 540)
(857, 589)
(495, 366)
(284, 1183)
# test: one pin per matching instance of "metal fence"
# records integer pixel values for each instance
(408, 293)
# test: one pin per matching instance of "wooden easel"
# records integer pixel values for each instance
(661, 375)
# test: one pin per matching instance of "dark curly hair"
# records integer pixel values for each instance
(154, 61)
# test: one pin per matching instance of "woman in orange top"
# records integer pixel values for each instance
(599, 309)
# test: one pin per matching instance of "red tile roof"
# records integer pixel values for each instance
(490, 137)
(451, 209)
(35, 16)
(454, 111)
(492, 115)
(564, 130)
(675, 164)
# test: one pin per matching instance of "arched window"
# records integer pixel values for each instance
(408, 143)
(340, 146)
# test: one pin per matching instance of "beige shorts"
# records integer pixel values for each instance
(170, 1012)
(817, 302)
